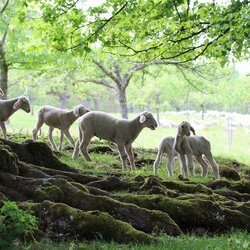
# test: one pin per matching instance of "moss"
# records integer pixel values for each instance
(8, 162)
(229, 173)
(213, 197)
(52, 193)
(233, 195)
(192, 213)
(100, 149)
(187, 188)
(64, 221)
(80, 186)
(242, 186)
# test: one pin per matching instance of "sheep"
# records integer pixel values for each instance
(166, 147)
(198, 146)
(120, 131)
(9, 107)
(60, 119)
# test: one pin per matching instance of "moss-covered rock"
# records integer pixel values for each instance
(140, 218)
(63, 222)
(186, 187)
(229, 173)
(8, 162)
(37, 153)
(242, 186)
(192, 213)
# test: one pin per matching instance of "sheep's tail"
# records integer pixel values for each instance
(40, 133)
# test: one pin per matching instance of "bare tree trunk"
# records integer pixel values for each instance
(157, 109)
(64, 100)
(123, 103)
(96, 103)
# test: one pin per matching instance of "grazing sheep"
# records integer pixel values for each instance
(60, 119)
(198, 146)
(120, 131)
(166, 147)
(9, 107)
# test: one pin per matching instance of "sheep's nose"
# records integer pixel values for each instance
(87, 110)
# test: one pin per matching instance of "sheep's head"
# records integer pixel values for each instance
(22, 103)
(80, 110)
(147, 120)
(184, 129)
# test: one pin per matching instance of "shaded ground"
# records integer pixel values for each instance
(75, 204)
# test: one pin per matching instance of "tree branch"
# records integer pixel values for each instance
(108, 73)
(4, 7)
(99, 28)
(101, 81)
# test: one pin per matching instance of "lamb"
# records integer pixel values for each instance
(120, 131)
(198, 146)
(166, 147)
(9, 107)
(60, 119)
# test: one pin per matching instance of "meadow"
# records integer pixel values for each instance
(22, 122)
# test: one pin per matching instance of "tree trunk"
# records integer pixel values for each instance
(123, 103)
(157, 109)
(96, 103)
(4, 72)
(64, 100)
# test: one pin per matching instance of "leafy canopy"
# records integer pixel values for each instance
(153, 29)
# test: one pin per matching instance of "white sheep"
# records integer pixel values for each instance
(60, 119)
(166, 147)
(9, 107)
(120, 131)
(188, 146)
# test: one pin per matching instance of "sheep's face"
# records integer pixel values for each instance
(80, 110)
(25, 104)
(184, 129)
(22, 103)
(147, 119)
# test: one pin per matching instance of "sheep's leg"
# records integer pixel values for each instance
(190, 161)
(129, 151)
(2, 125)
(203, 164)
(76, 150)
(214, 165)
(123, 156)
(36, 129)
(183, 165)
(51, 138)
(69, 137)
(170, 164)
(61, 141)
(157, 161)
(84, 147)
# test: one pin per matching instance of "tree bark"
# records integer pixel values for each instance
(4, 67)
(123, 102)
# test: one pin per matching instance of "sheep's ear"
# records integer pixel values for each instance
(192, 129)
(17, 104)
(76, 111)
(142, 118)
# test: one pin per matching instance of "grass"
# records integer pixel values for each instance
(109, 162)
(217, 134)
(233, 240)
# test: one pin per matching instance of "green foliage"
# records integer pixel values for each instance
(15, 224)
(181, 30)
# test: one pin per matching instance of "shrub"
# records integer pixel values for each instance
(15, 224)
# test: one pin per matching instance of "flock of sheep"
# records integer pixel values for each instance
(120, 131)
